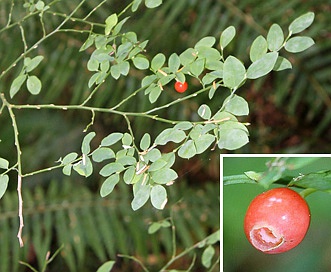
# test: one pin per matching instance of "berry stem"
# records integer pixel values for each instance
(306, 192)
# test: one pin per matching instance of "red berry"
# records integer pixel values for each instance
(277, 220)
(181, 86)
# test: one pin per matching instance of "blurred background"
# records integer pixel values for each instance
(289, 113)
(312, 254)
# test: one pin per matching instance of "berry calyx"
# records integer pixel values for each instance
(181, 86)
(277, 220)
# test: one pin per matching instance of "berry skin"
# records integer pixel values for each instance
(181, 86)
(277, 220)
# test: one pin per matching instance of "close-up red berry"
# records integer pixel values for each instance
(181, 86)
(277, 220)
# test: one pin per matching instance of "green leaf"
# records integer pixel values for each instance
(275, 37)
(111, 139)
(69, 158)
(126, 160)
(157, 165)
(66, 170)
(109, 185)
(40, 5)
(234, 72)
(282, 64)
(293, 163)
(111, 21)
(210, 54)
(154, 227)
(145, 141)
(3, 184)
(4, 164)
(197, 67)
(205, 42)
(89, 42)
(127, 139)
(298, 44)
(103, 153)
(207, 256)
(120, 68)
(153, 3)
(320, 181)
(141, 195)
(148, 80)
(154, 93)
(213, 238)
(119, 26)
(111, 168)
(159, 197)
(124, 68)
(31, 64)
(135, 5)
(188, 56)
(196, 132)
(84, 167)
(157, 62)
(170, 135)
(185, 125)
(174, 63)
(163, 176)
(166, 79)
(204, 112)
(153, 155)
(203, 142)
(215, 65)
(227, 36)
(301, 23)
(188, 150)
(236, 105)
(262, 66)
(93, 65)
(17, 84)
(258, 49)
(140, 62)
(106, 267)
(170, 158)
(86, 142)
(232, 135)
(129, 174)
(33, 84)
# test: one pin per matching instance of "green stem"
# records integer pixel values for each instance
(178, 100)
(237, 179)
(135, 259)
(33, 47)
(186, 251)
(306, 192)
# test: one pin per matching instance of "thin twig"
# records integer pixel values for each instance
(20, 210)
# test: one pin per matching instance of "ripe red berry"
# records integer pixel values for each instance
(277, 220)
(181, 86)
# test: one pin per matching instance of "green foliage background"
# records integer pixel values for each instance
(290, 111)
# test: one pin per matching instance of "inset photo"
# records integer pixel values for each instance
(276, 212)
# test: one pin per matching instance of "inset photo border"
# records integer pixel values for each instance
(301, 205)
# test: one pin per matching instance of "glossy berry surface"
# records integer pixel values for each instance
(277, 220)
(181, 86)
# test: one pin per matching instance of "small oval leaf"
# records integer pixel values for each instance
(234, 72)
(159, 197)
(33, 84)
(227, 36)
(301, 23)
(109, 185)
(298, 44)
(3, 184)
